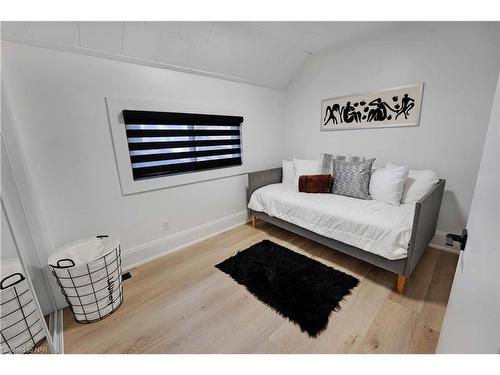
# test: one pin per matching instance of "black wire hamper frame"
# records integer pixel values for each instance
(112, 285)
(7, 341)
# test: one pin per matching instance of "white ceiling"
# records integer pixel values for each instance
(265, 53)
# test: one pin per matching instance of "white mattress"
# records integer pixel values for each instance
(373, 226)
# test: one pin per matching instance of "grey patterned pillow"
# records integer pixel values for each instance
(326, 161)
(352, 179)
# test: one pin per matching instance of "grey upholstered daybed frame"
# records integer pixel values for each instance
(424, 226)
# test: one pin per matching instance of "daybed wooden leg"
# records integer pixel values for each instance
(254, 221)
(401, 284)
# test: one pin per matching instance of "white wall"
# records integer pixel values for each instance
(471, 323)
(458, 62)
(60, 116)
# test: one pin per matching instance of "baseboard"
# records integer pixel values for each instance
(439, 242)
(144, 253)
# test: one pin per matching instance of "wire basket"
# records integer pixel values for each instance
(92, 287)
(20, 327)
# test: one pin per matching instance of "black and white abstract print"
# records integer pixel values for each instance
(386, 108)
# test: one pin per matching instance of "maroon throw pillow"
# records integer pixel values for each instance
(318, 183)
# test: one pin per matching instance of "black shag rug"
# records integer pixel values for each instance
(299, 288)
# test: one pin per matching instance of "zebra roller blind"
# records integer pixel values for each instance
(163, 143)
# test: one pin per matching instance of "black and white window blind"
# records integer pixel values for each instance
(163, 143)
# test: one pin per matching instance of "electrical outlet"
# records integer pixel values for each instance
(166, 225)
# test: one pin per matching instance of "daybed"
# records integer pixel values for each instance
(393, 238)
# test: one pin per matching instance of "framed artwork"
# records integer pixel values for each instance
(388, 108)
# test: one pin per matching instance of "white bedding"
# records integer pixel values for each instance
(373, 226)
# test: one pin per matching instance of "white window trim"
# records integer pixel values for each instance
(115, 106)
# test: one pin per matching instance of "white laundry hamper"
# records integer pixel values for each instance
(89, 273)
(20, 327)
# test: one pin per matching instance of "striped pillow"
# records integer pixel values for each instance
(326, 162)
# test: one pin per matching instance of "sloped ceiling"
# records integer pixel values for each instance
(264, 53)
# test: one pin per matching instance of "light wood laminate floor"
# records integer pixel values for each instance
(181, 303)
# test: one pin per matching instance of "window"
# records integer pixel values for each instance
(166, 143)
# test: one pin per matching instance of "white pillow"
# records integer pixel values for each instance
(288, 172)
(386, 185)
(304, 167)
(417, 185)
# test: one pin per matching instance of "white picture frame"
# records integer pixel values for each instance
(388, 108)
(116, 105)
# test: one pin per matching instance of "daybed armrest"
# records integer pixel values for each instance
(424, 225)
(262, 178)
